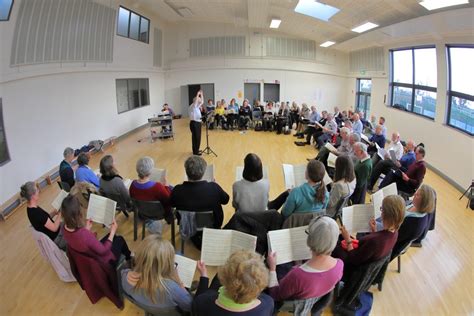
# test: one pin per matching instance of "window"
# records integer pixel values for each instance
(5, 9)
(363, 95)
(132, 94)
(4, 155)
(132, 25)
(460, 87)
(414, 80)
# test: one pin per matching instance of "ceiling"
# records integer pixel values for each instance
(257, 14)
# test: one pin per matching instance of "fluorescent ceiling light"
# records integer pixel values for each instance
(438, 4)
(364, 27)
(315, 9)
(275, 23)
(327, 44)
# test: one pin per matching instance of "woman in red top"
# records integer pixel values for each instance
(144, 189)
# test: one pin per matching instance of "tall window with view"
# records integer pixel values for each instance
(460, 87)
(4, 154)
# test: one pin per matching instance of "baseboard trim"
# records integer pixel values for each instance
(456, 185)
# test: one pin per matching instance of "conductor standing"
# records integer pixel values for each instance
(195, 122)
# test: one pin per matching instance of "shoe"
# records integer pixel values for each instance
(300, 144)
(300, 136)
(198, 154)
(416, 244)
(297, 134)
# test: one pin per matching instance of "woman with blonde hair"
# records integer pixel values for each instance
(237, 289)
(154, 282)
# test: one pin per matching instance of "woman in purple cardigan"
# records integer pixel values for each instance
(93, 262)
(318, 275)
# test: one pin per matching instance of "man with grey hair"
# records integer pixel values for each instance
(362, 169)
(329, 129)
(66, 171)
(198, 195)
(345, 147)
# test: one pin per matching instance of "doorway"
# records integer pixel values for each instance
(252, 92)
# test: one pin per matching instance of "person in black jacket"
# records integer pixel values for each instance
(198, 195)
(66, 171)
(245, 115)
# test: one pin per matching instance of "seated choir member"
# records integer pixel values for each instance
(382, 123)
(282, 118)
(376, 138)
(199, 195)
(84, 173)
(395, 145)
(357, 125)
(245, 115)
(251, 193)
(294, 114)
(375, 245)
(325, 135)
(144, 189)
(269, 117)
(417, 217)
(66, 171)
(344, 183)
(111, 182)
(303, 119)
(386, 165)
(410, 180)
(80, 239)
(317, 276)
(362, 169)
(48, 224)
(344, 148)
(220, 115)
(237, 288)
(311, 196)
(167, 108)
(154, 282)
(232, 113)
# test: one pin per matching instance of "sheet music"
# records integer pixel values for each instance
(59, 199)
(356, 218)
(330, 147)
(390, 189)
(327, 179)
(289, 244)
(332, 160)
(377, 199)
(240, 170)
(380, 151)
(288, 176)
(158, 175)
(186, 269)
(392, 155)
(127, 183)
(218, 245)
(208, 174)
(364, 138)
(101, 210)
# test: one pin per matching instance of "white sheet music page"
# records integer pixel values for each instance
(327, 179)
(332, 160)
(299, 172)
(101, 210)
(158, 175)
(186, 269)
(357, 218)
(390, 190)
(330, 147)
(377, 199)
(289, 176)
(216, 244)
(242, 241)
(59, 199)
(127, 183)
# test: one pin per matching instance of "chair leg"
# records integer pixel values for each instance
(399, 263)
(182, 246)
(173, 237)
(135, 225)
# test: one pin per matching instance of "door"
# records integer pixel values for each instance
(271, 92)
(252, 92)
(207, 91)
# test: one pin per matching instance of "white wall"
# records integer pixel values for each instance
(448, 150)
(48, 107)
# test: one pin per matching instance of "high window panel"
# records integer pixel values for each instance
(460, 87)
(363, 96)
(4, 154)
(5, 9)
(133, 25)
(414, 80)
(132, 94)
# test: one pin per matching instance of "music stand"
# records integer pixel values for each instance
(468, 194)
(208, 150)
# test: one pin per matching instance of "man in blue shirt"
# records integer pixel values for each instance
(357, 125)
(385, 165)
(195, 122)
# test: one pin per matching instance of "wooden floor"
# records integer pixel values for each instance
(436, 279)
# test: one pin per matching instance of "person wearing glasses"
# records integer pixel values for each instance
(154, 282)
(317, 276)
(375, 245)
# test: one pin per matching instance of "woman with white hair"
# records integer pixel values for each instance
(144, 189)
(318, 275)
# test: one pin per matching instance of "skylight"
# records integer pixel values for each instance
(316, 9)
(275, 23)
(438, 4)
(327, 44)
(364, 27)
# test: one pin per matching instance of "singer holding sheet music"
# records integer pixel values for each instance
(195, 121)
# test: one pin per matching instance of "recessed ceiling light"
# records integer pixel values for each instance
(315, 9)
(438, 4)
(327, 44)
(275, 23)
(364, 27)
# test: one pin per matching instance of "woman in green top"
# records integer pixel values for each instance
(311, 196)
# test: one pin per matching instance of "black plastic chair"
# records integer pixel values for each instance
(122, 204)
(201, 219)
(343, 202)
(64, 186)
(302, 307)
(149, 210)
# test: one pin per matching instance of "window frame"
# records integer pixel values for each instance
(128, 94)
(412, 85)
(140, 17)
(9, 12)
(2, 124)
(450, 93)
(359, 93)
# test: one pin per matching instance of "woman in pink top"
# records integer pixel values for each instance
(318, 275)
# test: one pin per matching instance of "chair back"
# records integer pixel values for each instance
(117, 197)
(360, 280)
(343, 201)
(55, 256)
(204, 220)
(64, 186)
(303, 307)
(149, 209)
(300, 219)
